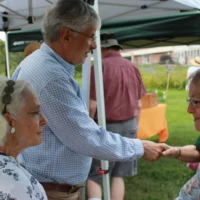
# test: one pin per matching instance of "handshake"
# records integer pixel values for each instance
(153, 151)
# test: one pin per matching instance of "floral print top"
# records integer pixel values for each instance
(16, 183)
(191, 190)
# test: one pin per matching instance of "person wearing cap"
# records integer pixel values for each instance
(123, 89)
(71, 138)
(195, 62)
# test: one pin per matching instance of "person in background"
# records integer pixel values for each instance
(123, 90)
(31, 48)
(190, 153)
(27, 51)
(71, 138)
(21, 125)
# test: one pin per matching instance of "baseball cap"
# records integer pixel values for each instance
(109, 40)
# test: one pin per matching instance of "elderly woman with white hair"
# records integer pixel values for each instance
(190, 153)
(21, 125)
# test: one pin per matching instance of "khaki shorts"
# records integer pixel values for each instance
(118, 169)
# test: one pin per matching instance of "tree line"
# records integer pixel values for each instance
(14, 59)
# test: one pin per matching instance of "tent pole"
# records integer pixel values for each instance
(7, 56)
(86, 95)
(100, 99)
(30, 8)
(86, 80)
(101, 114)
(100, 104)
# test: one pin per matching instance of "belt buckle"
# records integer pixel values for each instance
(74, 189)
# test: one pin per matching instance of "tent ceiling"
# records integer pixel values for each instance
(19, 11)
(110, 10)
(125, 18)
(182, 29)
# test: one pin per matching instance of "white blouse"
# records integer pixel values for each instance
(16, 183)
(191, 190)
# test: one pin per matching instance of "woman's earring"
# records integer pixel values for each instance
(12, 130)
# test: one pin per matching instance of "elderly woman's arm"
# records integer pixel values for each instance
(187, 153)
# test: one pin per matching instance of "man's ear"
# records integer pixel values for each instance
(65, 34)
(9, 118)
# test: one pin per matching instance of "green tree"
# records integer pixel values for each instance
(14, 59)
(2, 58)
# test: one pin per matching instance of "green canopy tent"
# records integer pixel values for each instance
(181, 29)
(18, 40)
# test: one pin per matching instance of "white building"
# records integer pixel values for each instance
(183, 54)
(180, 54)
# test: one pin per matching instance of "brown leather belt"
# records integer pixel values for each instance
(111, 122)
(60, 187)
(114, 122)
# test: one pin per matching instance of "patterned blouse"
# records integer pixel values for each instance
(191, 190)
(16, 183)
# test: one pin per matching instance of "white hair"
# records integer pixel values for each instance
(194, 78)
(74, 14)
(18, 96)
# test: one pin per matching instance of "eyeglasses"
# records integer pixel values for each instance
(92, 38)
(9, 89)
(193, 102)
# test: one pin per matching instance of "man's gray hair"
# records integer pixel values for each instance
(18, 96)
(74, 14)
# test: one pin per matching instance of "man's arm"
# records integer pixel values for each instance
(73, 127)
(93, 108)
(77, 131)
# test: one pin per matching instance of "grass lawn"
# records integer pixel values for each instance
(163, 179)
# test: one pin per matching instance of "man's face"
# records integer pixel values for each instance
(81, 45)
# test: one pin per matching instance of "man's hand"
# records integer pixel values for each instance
(152, 150)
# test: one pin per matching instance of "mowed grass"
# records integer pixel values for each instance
(162, 180)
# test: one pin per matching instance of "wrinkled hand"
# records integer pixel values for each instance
(171, 152)
(152, 150)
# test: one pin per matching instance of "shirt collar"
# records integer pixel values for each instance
(113, 54)
(69, 67)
